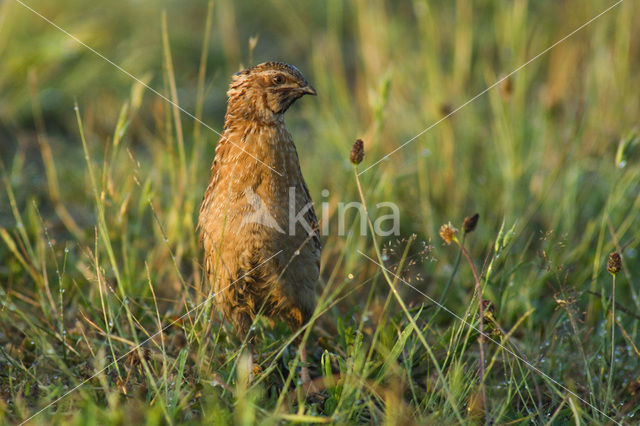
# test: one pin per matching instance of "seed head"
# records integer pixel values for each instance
(448, 233)
(470, 223)
(488, 309)
(487, 306)
(614, 265)
(506, 87)
(357, 152)
(446, 110)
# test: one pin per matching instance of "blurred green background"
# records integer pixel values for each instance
(551, 154)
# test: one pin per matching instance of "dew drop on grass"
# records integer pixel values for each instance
(296, 253)
(66, 249)
(166, 240)
(622, 164)
(350, 276)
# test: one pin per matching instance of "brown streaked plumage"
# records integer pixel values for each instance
(236, 240)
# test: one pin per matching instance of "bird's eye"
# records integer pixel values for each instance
(278, 79)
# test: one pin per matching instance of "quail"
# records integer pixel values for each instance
(256, 222)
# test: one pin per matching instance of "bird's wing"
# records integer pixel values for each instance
(310, 214)
(311, 218)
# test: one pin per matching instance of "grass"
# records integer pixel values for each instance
(99, 203)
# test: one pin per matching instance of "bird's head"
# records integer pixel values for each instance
(266, 91)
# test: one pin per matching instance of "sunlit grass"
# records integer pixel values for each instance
(98, 209)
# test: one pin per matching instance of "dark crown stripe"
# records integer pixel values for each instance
(275, 66)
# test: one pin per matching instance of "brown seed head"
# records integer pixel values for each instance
(448, 233)
(470, 223)
(357, 152)
(506, 87)
(614, 265)
(446, 110)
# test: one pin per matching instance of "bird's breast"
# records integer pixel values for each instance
(259, 169)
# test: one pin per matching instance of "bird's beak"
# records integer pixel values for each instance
(308, 90)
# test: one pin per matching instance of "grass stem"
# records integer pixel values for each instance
(478, 291)
(393, 289)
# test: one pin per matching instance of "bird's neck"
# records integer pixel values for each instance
(248, 133)
(250, 109)
(259, 145)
